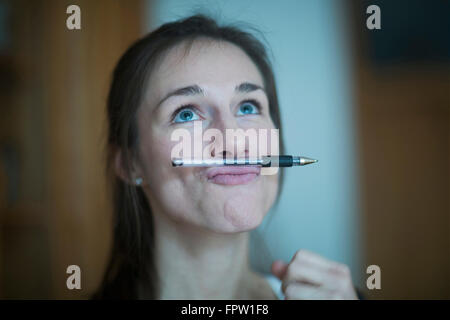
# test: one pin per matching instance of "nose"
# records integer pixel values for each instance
(228, 140)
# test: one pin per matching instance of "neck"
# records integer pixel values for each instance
(195, 263)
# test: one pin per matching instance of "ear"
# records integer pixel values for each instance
(121, 172)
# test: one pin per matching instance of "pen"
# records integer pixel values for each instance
(266, 161)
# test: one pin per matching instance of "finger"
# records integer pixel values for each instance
(313, 259)
(279, 269)
(308, 274)
(297, 291)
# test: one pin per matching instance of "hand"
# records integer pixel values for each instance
(310, 276)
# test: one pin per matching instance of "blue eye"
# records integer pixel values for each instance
(185, 115)
(248, 107)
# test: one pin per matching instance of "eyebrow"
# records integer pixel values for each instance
(244, 87)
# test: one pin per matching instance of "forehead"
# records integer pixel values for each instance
(209, 63)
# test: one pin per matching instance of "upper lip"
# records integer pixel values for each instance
(232, 170)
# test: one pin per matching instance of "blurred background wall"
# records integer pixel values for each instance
(54, 211)
(371, 105)
(402, 87)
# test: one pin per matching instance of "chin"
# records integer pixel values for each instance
(243, 214)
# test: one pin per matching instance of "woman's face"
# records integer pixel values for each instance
(204, 197)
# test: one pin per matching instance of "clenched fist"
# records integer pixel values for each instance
(310, 276)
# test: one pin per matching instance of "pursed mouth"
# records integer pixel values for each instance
(233, 175)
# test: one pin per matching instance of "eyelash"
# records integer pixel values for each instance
(190, 106)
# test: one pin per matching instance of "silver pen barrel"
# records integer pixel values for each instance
(266, 161)
(179, 162)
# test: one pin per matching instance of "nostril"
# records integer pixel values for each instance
(220, 154)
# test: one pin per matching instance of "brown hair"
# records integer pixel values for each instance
(131, 267)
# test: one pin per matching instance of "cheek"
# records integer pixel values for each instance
(156, 148)
(155, 162)
(272, 189)
(256, 122)
(172, 188)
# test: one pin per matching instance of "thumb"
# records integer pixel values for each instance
(279, 268)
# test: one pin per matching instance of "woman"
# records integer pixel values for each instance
(182, 233)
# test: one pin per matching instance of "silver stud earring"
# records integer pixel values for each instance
(138, 181)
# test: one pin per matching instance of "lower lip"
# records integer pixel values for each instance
(233, 179)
